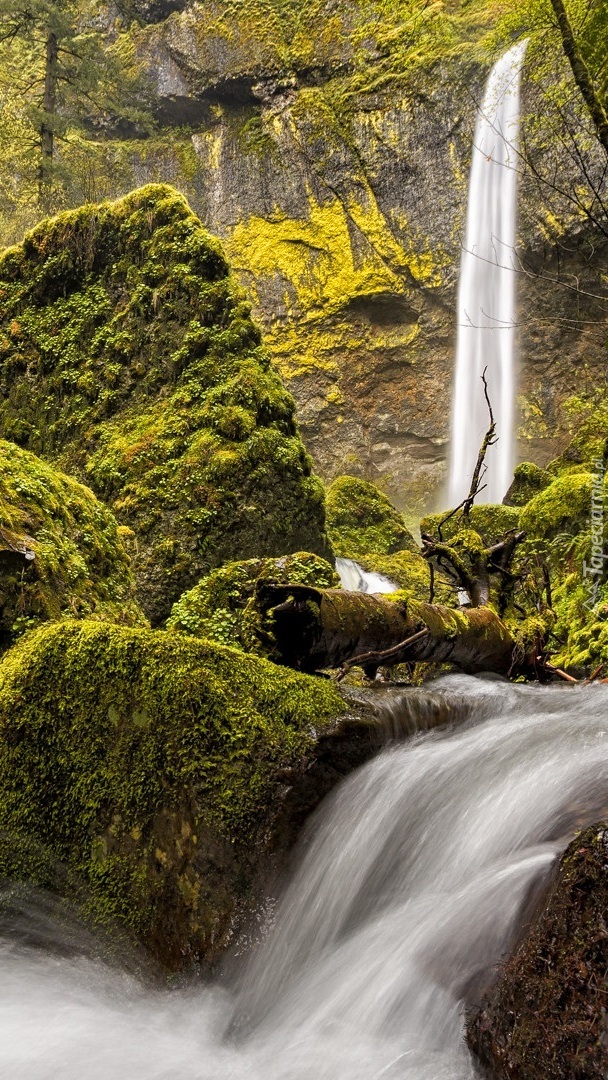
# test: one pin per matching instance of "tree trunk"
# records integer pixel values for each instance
(324, 628)
(47, 126)
(582, 76)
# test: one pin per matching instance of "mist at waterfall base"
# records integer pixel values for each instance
(486, 295)
(410, 887)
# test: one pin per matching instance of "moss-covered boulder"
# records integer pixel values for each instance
(546, 1016)
(62, 553)
(361, 520)
(562, 507)
(588, 421)
(490, 520)
(566, 536)
(129, 358)
(528, 480)
(147, 770)
(222, 606)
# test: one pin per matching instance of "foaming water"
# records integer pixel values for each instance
(411, 885)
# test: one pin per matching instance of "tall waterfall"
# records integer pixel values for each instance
(411, 886)
(486, 298)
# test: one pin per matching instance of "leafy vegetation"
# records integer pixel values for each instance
(62, 77)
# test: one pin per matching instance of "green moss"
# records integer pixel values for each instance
(491, 521)
(563, 507)
(528, 480)
(147, 765)
(221, 607)
(588, 421)
(361, 520)
(128, 356)
(407, 569)
(559, 525)
(77, 564)
(530, 632)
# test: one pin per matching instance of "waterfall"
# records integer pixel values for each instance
(486, 296)
(411, 885)
(354, 578)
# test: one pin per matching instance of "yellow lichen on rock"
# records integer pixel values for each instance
(321, 266)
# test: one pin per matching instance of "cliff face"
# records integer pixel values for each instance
(339, 188)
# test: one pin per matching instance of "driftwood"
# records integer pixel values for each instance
(473, 575)
(314, 629)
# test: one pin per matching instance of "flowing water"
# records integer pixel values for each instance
(355, 579)
(411, 885)
(486, 296)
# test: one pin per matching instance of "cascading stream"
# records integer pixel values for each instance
(410, 887)
(486, 295)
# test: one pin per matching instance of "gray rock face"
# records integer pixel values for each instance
(344, 221)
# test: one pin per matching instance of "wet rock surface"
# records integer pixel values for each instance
(546, 1017)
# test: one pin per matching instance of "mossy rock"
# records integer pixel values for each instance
(491, 521)
(589, 443)
(562, 507)
(62, 553)
(566, 526)
(528, 480)
(361, 520)
(129, 358)
(581, 631)
(221, 607)
(149, 767)
(547, 1015)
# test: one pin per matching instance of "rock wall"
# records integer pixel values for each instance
(341, 205)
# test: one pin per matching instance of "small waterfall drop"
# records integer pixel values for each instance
(354, 578)
(486, 296)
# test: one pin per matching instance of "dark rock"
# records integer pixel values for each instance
(547, 1016)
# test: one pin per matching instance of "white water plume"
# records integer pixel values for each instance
(410, 888)
(486, 295)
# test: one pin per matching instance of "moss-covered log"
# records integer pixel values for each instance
(324, 628)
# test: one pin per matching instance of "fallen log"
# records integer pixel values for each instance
(312, 629)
